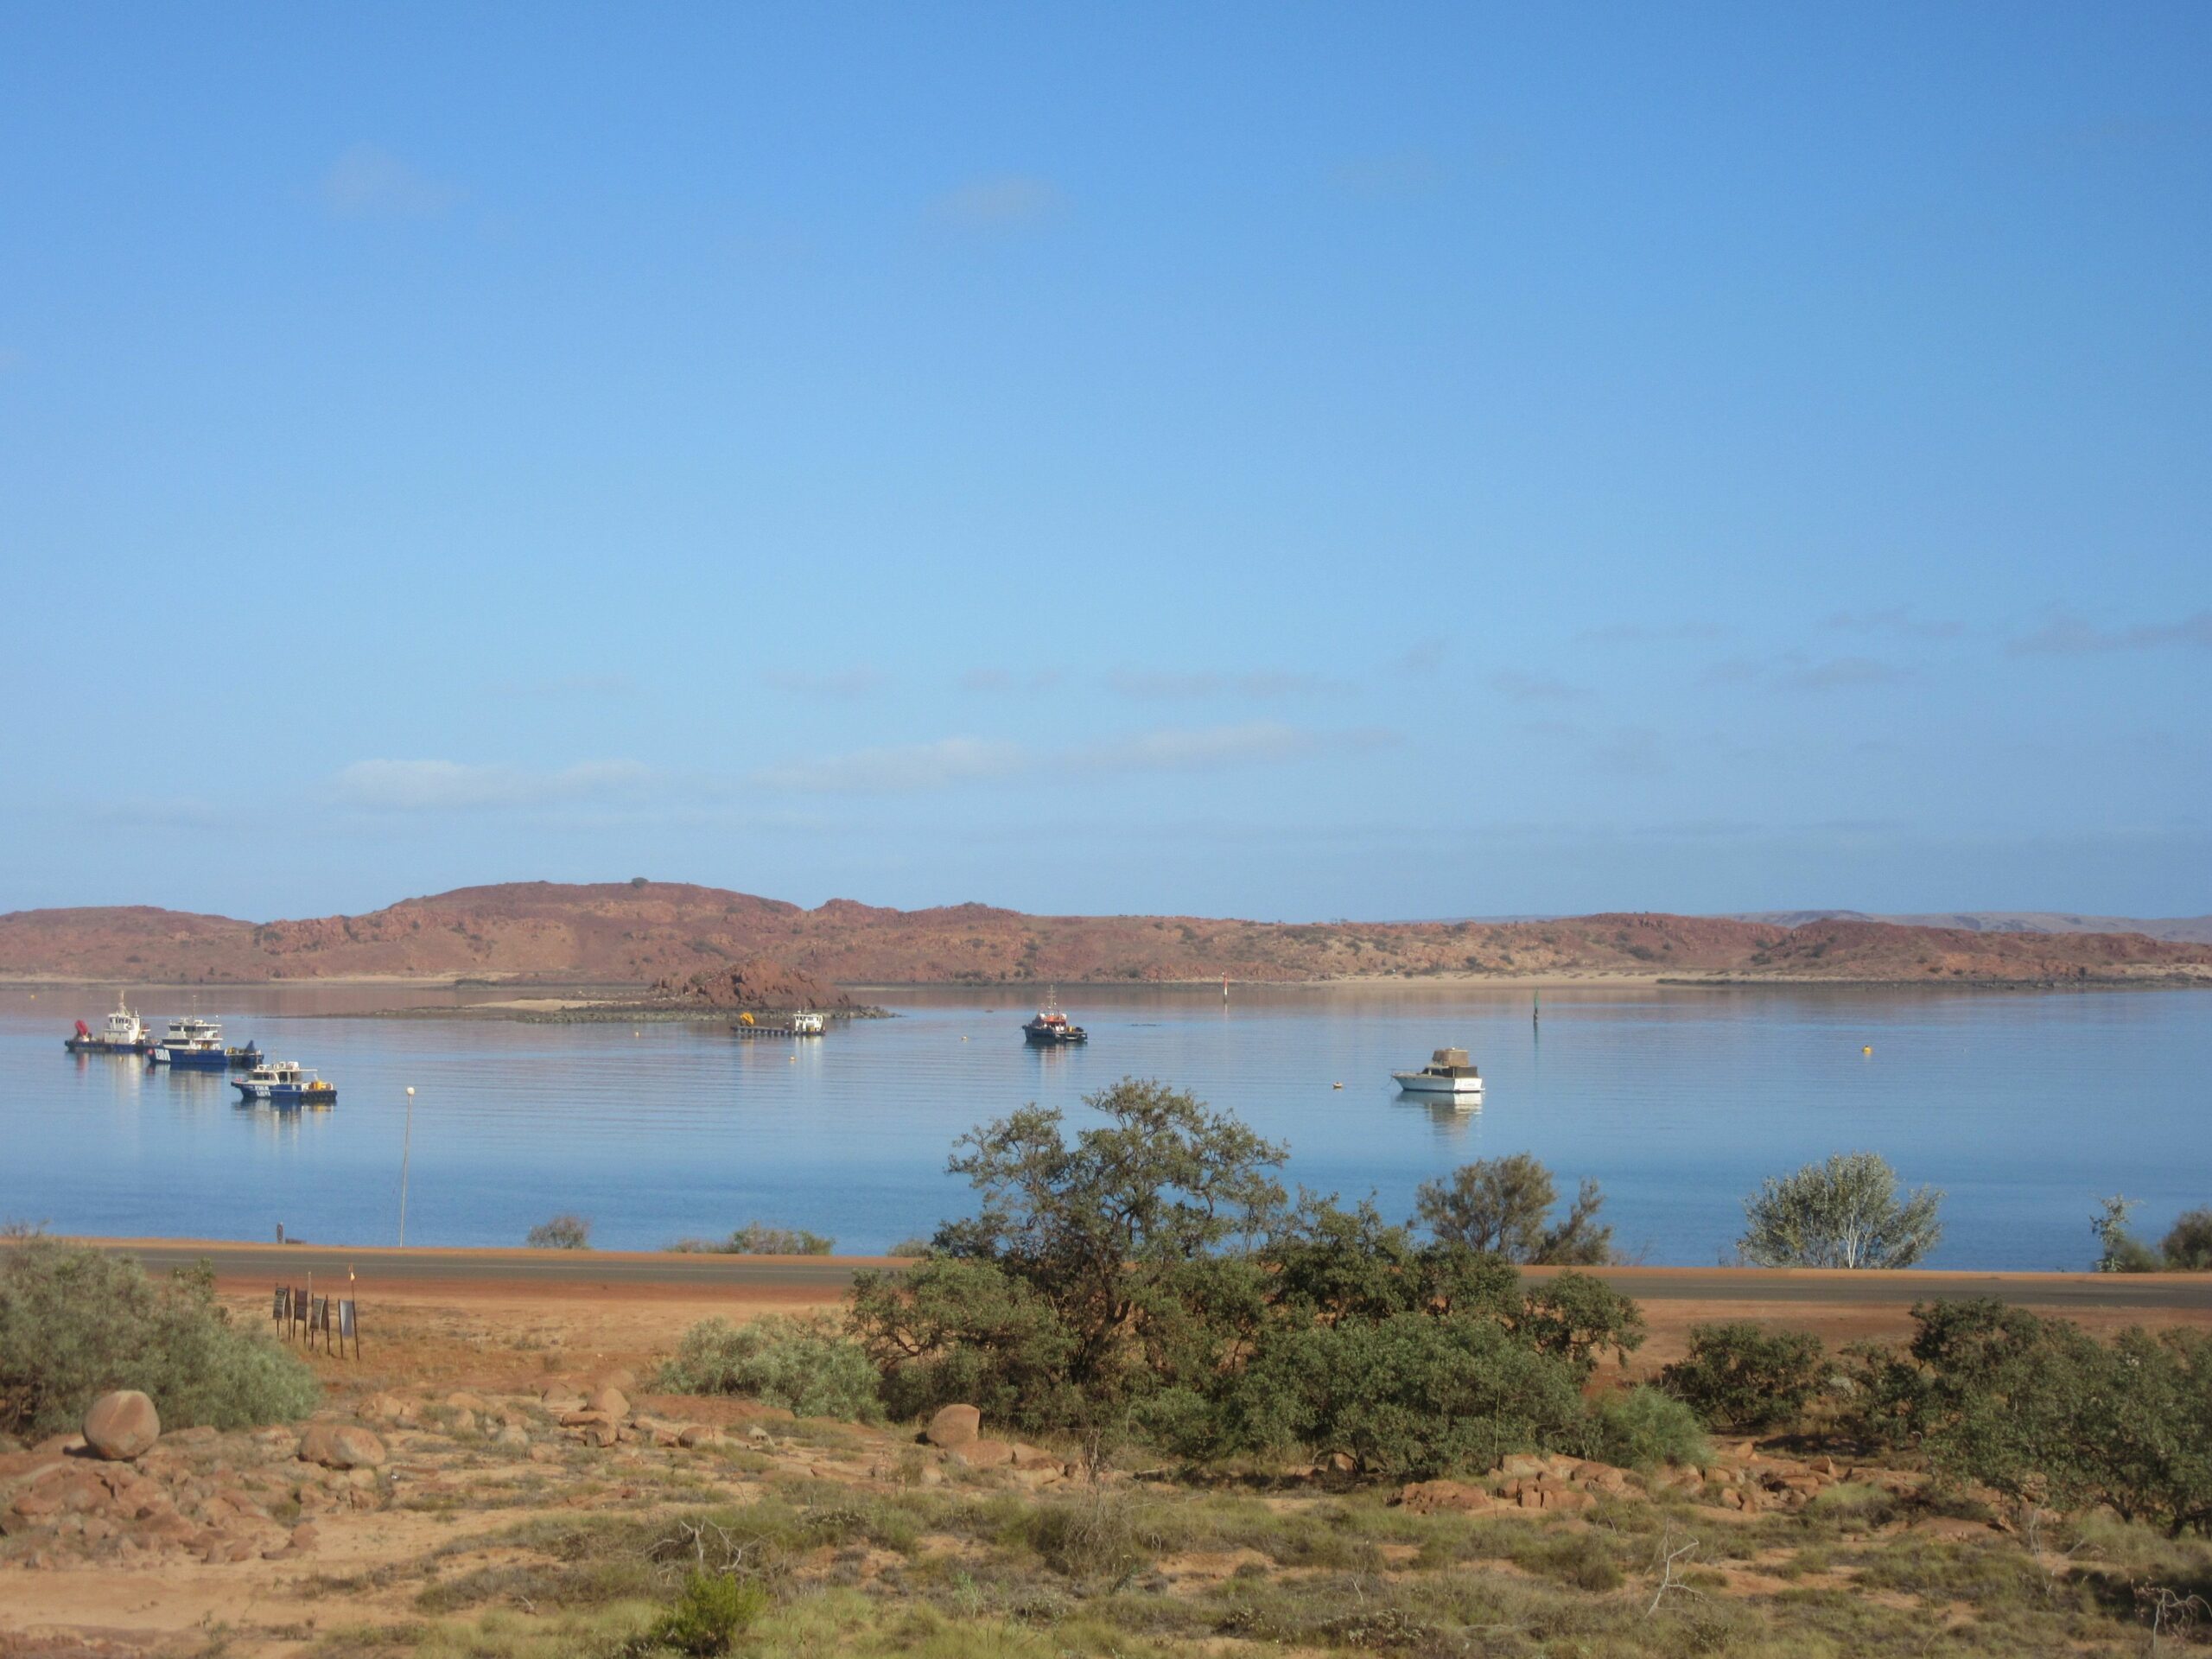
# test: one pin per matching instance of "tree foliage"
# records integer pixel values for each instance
(564, 1232)
(1845, 1213)
(76, 1322)
(2118, 1250)
(1084, 1280)
(1743, 1376)
(1503, 1206)
(1149, 1276)
(2187, 1245)
(2042, 1411)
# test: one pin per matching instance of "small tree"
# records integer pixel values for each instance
(1844, 1213)
(1743, 1376)
(1503, 1205)
(2188, 1247)
(2119, 1250)
(563, 1232)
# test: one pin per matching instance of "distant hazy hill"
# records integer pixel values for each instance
(643, 932)
(2192, 929)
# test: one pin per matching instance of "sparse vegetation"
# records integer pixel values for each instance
(75, 1322)
(1845, 1213)
(758, 1238)
(564, 1232)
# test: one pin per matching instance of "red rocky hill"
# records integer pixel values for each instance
(642, 932)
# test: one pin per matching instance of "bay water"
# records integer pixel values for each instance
(2025, 1109)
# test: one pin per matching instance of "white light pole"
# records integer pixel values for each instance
(406, 1146)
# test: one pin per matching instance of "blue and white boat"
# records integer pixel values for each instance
(192, 1041)
(286, 1082)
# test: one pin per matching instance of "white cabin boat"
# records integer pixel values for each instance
(124, 1032)
(1448, 1072)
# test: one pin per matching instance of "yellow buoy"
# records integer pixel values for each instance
(1869, 1049)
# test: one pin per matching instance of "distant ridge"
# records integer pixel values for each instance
(2192, 929)
(640, 932)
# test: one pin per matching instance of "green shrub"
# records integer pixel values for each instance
(2043, 1412)
(1575, 1317)
(1643, 1429)
(803, 1364)
(563, 1232)
(758, 1238)
(2187, 1246)
(76, 1322)
(712, 1610)
(1743, 1376)
(1410, 1396)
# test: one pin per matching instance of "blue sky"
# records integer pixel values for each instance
(1279, 460)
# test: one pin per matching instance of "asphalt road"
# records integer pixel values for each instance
(610, 1270)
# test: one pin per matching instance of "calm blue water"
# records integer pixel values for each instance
(2024, 1109)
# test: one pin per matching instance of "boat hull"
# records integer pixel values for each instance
(286, 1094)
(1066, 1037)
(1415, 1083)
(191, 1059)
(101, 1046)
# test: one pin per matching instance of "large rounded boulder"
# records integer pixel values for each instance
(122, 1425)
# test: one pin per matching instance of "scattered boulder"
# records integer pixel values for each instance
(983, 1454)
(341, 1446)
(610, 1404)
(461, 1400)
(955, 1425)
(512, 1434)
(122, 1425)
(699, 1435)
(1443, 1496)
(464, 1421)
(620, 1378)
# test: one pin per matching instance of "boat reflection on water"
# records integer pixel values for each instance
(1453, 1122)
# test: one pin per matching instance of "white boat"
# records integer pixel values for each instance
(192, 1041)
(1448, 1072)
(806, 1023)
(285, 1083)
(124, 1033)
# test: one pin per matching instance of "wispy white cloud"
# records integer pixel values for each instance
(450, 785)
(955, 761)
(367, 182)
(2068, 635)
(1004, 202)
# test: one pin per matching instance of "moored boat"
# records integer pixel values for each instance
(191, 1041)
(1448, 1072)
(242, 1059)
(1051, 1028)
(124, 1033)
(285, 1083)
